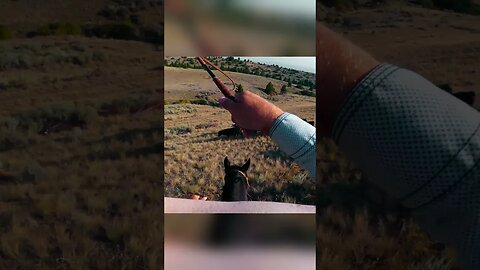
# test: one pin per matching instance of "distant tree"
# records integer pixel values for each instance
(283, 91)
(289, 83)
(270, 90)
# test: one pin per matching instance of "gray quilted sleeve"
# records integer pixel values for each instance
(297, 138)
(422, 146)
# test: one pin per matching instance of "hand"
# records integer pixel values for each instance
(252, 112)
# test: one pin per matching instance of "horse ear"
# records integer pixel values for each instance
(226, 163)
(246, 166)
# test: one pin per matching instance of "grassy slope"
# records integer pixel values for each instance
(188, 83)
(286, 75)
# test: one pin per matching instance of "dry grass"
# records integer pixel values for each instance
(194, 159)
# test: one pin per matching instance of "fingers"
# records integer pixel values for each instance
(226, 103)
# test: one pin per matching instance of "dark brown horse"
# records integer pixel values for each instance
(236, 182)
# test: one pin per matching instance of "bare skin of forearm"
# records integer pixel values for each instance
(340, 66)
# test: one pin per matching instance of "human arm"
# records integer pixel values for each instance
(294, 136)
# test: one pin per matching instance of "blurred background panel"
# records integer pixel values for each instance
(234, 27)
(81, 134)
(239, 241)
(439, 39)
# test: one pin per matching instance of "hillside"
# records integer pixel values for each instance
(295, 77)
(194, 84)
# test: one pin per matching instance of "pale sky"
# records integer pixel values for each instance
(297, 8)
(300, 63)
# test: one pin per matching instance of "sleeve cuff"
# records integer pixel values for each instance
(297, 139)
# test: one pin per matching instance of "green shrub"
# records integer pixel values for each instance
(283, 91)
(5, 33)
(173, 109)
(239, 88)
(54, 113)
(15, 84)
(99, 56)
(214, 103)
(67, 113)
(124, 31)
(69, 29)
(125, 105)
(182, 101)
(57, 29)
(178, 130)
(29, 56)
(307, 93)
(200, 102)
(270, 89)
(203, 102)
